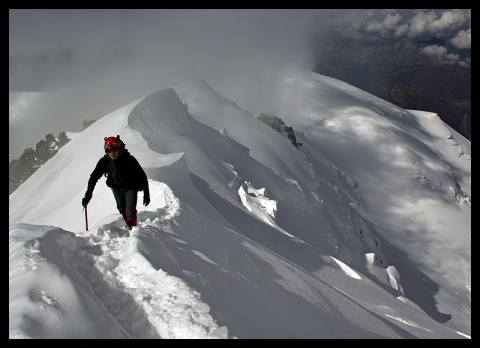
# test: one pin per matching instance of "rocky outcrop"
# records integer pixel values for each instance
(22, 168)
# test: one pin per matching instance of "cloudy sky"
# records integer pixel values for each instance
(362, 232)
(91, 61)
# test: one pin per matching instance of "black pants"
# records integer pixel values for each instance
(126, 202)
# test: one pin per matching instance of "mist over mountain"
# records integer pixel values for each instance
(82, 63)
(363, 231)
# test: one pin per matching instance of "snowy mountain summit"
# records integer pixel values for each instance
(362, 232)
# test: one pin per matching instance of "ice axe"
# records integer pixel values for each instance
(86, 218)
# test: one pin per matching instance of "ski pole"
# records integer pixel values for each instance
(86, 219)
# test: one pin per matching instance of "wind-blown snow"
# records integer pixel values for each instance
(362, 232)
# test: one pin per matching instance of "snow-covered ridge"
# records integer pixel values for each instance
(362, 209)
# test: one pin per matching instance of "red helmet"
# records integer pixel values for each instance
(111, 143)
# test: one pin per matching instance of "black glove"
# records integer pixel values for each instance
(146, 197)
(87, 198)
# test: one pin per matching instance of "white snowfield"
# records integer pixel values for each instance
(363, 232)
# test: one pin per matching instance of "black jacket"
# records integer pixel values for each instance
(124, 172)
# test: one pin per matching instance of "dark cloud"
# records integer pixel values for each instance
(419, 24)
(451, 25)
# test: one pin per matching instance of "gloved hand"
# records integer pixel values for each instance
(87, 198)
(146, 197)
